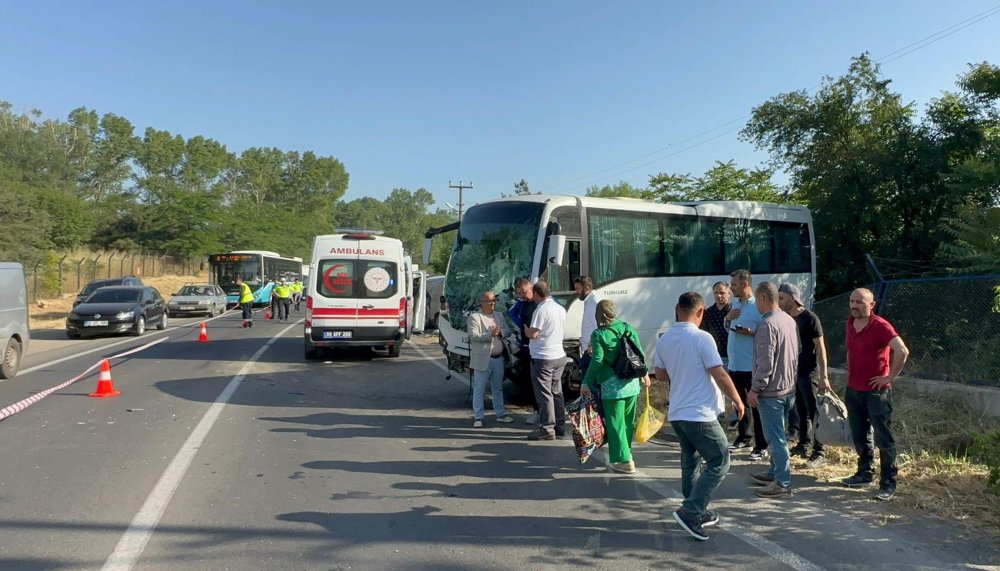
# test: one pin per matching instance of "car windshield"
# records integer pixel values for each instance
(91, 288)
(496, 244)
(114, 296)
(195, 290)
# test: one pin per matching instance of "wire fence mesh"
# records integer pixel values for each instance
(61, 273)
(950, 325)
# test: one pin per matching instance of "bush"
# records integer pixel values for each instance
(986, 449)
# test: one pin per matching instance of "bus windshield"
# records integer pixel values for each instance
(495, 245)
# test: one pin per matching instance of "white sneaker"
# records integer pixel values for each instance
(532, 418)
(505, 419)
(477, 424)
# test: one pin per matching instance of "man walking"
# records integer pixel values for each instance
(811, 368)
(584, 287)
(772, 391)
(297, 293)
(283, 297)
(870, 341)
(548, 359)
(689, 362)
(487, 329)
(742, 322)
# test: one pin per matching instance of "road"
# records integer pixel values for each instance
(237, 454)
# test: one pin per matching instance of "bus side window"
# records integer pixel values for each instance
(560, 278)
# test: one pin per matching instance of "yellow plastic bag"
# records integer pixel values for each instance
(649, 422)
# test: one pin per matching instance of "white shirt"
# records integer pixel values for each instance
(550, 320)
(589, 324)
(686, 353)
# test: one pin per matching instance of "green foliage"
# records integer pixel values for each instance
(973, 245)
(521, 188)
(724, 181)
(621, 189)
(986, 449)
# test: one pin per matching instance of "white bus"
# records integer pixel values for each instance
(642, 255)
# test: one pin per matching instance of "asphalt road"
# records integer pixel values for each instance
(238, 454)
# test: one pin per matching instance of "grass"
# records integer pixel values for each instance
(933, 434)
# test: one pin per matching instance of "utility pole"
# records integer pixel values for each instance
(460, 188)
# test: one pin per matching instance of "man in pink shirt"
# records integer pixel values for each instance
(871, 340)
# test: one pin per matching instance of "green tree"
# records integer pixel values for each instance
(724, 181)
(621, 189)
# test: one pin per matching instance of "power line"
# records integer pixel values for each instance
(902, 52)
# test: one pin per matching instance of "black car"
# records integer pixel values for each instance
(94, 285)
(118, 309)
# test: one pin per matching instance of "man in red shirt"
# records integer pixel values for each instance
(870, 373)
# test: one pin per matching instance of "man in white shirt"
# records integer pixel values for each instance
(584, 287)
(688, 361)
(548, 359)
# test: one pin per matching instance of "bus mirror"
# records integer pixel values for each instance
(428, 242)
(557, 247)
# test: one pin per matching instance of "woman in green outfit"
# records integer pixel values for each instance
(618, 395)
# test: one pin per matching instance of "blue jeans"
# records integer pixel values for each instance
(494, 376)
(701, 440)
(773, 413)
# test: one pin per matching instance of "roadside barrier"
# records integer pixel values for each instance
(23, 404)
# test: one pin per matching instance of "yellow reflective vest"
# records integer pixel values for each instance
(282, 291)
(246, 296)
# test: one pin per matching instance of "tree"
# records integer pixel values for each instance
(521, 188)
(870, 175)
(724, 181)
(621, 189)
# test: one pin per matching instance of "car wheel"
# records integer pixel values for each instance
(311, 353)
(72, 335)
(11, 359)
(395, 350)
(140, 326)
(163, 322)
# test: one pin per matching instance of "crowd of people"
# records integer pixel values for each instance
(759, 348)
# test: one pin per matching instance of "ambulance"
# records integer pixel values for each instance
(358, 293)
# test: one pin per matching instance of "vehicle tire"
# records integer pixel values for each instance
(72, 335)
(311, 353)
(11, 359)
(140, 326)
(395, 350)
(163, 322)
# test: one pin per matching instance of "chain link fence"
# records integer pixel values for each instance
(949, 324)
(63, 273)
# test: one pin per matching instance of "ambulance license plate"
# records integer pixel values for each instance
(336, 335)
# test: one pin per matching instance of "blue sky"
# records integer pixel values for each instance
(413, 94)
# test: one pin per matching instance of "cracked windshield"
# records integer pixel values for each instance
(495, 246)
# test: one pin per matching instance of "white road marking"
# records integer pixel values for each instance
(103, 347)
(139, 532)
(657, 486)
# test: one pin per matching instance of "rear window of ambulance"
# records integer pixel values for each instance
(357, 279)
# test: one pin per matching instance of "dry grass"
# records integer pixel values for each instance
(932, 433)
(51, 313)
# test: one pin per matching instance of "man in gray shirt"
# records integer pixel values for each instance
(772, 390)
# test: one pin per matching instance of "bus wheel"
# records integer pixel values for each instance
(395, 350)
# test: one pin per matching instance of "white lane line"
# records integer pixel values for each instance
(110, 345)
(139, 532)
(657, 486)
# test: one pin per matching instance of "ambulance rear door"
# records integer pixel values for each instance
(381, 296)
(335, 311)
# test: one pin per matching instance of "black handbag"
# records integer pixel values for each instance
(629, 363)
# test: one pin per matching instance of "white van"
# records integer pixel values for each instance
(356, 295)
(14, 332)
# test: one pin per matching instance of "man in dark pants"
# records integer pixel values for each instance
(870, 373)
(812, 366)
(548, 359)
(525, 309)
(742, 322)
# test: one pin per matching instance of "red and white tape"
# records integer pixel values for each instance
(17, 407)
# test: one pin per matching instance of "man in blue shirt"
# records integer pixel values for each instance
(742, 322)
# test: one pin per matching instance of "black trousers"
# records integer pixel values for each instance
(742, 380)
(870, 412)
(805, 407)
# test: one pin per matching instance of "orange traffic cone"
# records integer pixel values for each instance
(267, 313)
(105, 386)
(203, 335)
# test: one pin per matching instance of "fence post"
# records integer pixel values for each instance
(111, 257)
(152, 260)
(79, 268)
(36, 278)
(93, 272)
(60, 274)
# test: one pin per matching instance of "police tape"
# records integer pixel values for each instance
(17, 407)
